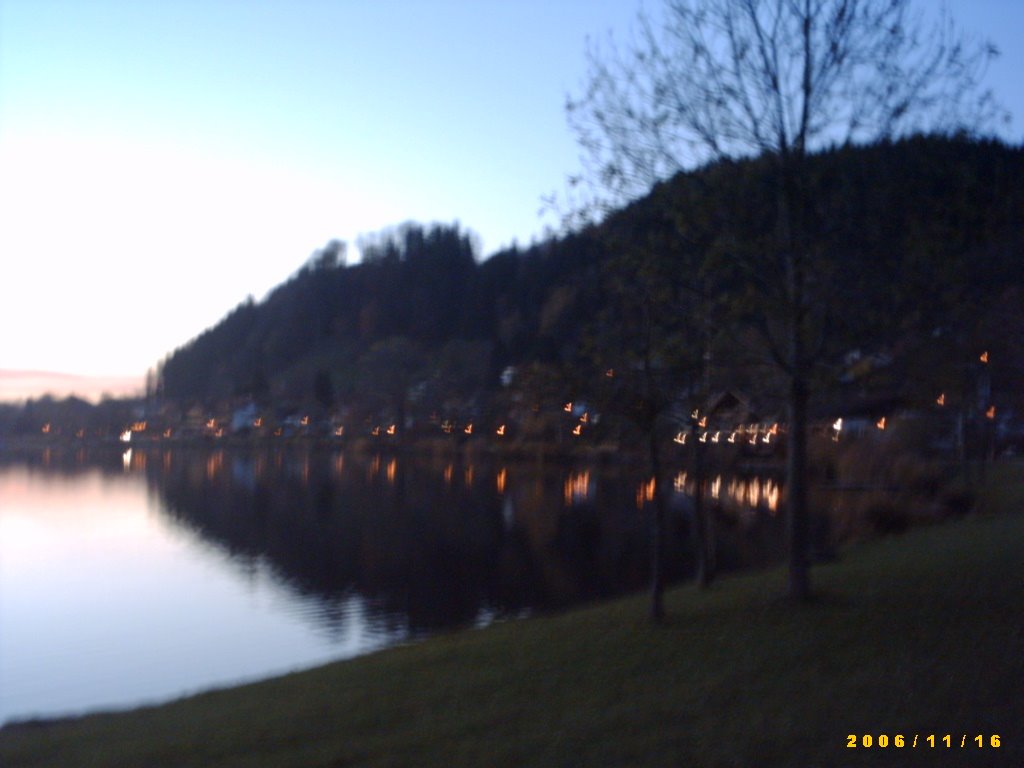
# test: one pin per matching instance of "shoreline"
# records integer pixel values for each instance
(605, 454)
(597, 684)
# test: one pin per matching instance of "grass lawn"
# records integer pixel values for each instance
(915, 635)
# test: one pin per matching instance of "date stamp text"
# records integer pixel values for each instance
(923, 741)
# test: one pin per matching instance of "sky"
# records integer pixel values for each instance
(161, 161)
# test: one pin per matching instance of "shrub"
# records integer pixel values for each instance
(883, 486)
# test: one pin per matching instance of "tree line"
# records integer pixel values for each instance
(914, 237)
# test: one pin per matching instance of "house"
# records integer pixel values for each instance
(728, 409)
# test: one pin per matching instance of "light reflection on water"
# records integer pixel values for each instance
(105, 602)
(138, 575)
(742, 495)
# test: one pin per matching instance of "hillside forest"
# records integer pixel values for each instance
(915, 274)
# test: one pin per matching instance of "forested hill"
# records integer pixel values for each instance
(912, 236)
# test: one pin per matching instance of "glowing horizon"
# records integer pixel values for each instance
(160, 162)
(20, 386)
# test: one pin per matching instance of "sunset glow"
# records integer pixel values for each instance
(163, 161)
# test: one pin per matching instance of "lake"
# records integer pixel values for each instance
(136, 576)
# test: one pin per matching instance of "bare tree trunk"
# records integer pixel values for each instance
(796, 484)
(657, 533)
(792, 200)
(702, 544)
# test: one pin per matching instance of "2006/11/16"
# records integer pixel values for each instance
(854, 741)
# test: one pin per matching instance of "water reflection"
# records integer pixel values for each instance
(742, 495)
(435, 542)
(364, 550)
(578, 488)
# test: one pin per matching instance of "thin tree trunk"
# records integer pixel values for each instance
(791, 222)
(796, 484)
(657, 534)
(705, 568)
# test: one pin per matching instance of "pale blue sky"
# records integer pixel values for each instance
(160, 161)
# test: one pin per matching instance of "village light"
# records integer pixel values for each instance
(991, 412)
(881, 423)
(680, 438)
(500, 432)
(941, 399)
(984, 356)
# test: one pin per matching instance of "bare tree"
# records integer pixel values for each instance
(777, 79)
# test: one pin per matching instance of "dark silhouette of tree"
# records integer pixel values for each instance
(388, 369)
(723, 79)
(646, 345)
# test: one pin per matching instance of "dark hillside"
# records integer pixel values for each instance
(918, 237)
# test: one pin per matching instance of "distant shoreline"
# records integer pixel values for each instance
(527, 451)
(17, 387)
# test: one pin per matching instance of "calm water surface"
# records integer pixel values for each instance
(135, 577)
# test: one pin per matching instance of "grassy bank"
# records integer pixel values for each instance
(918, 634)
